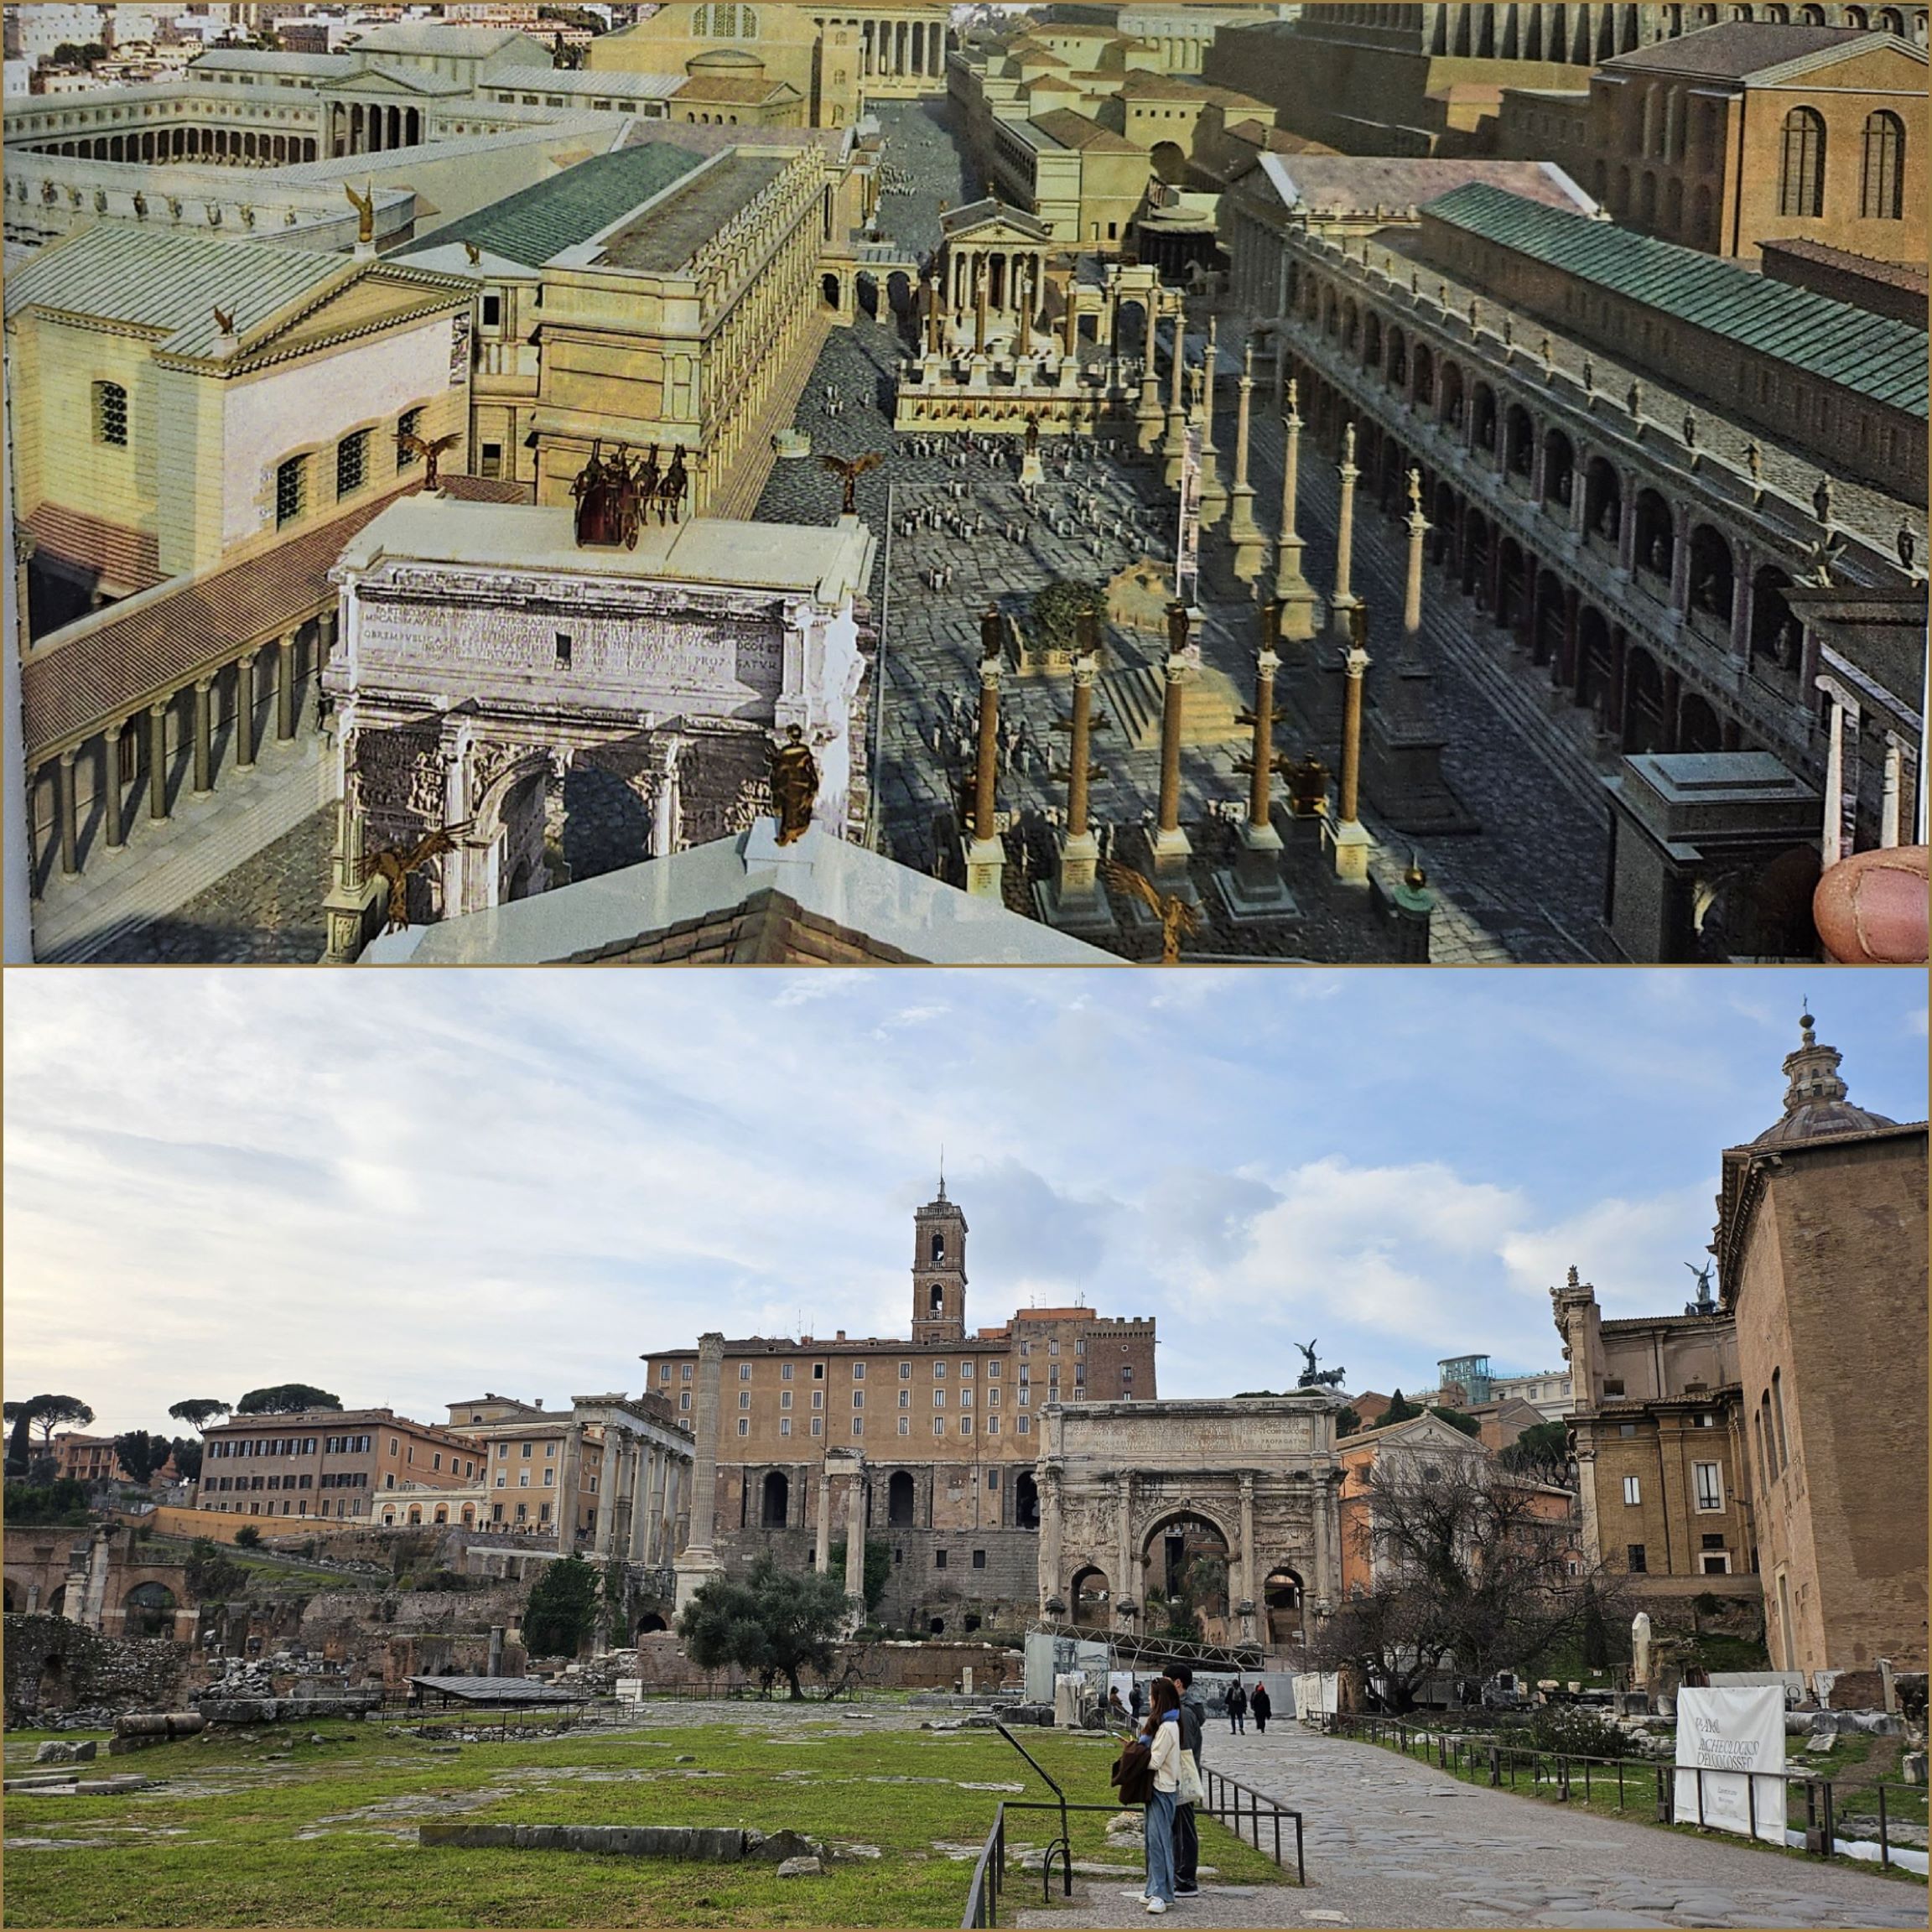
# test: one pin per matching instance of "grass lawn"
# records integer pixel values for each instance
(271, 1829)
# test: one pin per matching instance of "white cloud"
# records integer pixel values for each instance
(407, 1187)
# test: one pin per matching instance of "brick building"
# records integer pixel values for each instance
(1821, 1255)
(1659, 1455)
(1748, 132)
(330, 1462)
(1430, 79)
(92, 1459)
(947, 1424)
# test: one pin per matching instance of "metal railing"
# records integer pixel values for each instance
(1563, 1776)
(1227, 1799)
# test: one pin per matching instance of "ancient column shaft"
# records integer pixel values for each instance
(1086, 668)
(1260, 782)
(983, 795)
(704, 1469)
(855, 1539)
(1355, 666)
(821, 1545)
(1170, 816)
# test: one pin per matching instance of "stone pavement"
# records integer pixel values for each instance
(1391, 1842)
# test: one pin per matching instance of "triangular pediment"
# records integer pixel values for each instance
(390, 83)
(990, 222)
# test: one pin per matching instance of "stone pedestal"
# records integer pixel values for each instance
(1031, 469)
(1073, 900)
(1253, 888)
(985, 868)
(1350, 845)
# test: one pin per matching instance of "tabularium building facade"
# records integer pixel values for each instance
(948, 1425)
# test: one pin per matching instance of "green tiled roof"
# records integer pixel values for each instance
(167, 280)
(542, 221)
(1874, 356)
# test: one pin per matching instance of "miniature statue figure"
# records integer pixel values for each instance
(396, 862)
(849, 470)
(794, 785)
(674, 489)
(1178, 919)
(365, 206)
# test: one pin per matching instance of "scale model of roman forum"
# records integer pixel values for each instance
(723, 481)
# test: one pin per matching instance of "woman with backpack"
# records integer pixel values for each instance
(1163, 1734)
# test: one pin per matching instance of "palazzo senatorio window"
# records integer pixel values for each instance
(291, 490)
(352, 463)
(111, 415)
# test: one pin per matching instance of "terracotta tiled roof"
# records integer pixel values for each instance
(486, 490)
(1736, 50)
(768, 928)
(109, 665)
(1906, 275)
(129, 560)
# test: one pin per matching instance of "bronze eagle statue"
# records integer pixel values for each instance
(396, 863)
(850, 469)
(225, 320)
(430, 451)
(1178, 919)
(365, 206)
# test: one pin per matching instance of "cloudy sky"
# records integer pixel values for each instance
(410, 1187)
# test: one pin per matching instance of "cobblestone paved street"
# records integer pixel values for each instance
(1391, 1842)
(1527, 886)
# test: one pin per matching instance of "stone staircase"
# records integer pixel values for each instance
(1134, 694)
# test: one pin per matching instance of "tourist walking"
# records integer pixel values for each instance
(1186, 1838)
(1163, 1731)
(1237, 1708)
(1261, 1706)
(1133, 1700)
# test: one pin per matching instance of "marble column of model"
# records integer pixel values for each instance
(986, 857)
(1124, 1596)
(1147, 416)
(1352, 842)
(1342, 604)
(1255, 887)
(1403, 705)
(1244, 534)
(1174, 444)
(1170, 847)
(1293, 592)
(1077, 895)
(1213, 491)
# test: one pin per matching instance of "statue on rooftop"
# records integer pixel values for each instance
(794, 785)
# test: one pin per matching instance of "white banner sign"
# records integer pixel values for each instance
(1315, 1695)
(1735, 1739)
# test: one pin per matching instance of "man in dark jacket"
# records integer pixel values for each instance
(1187, 1839)
(1237, 1706)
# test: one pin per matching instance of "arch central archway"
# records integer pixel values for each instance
(1090, 1599)
(1283, 1604)
(1185, 1559)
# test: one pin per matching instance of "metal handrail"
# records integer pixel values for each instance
(1501, 1762)
(1215, 1782)
(1223, 1800)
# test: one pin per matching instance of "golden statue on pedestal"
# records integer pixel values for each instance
(794, 785)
